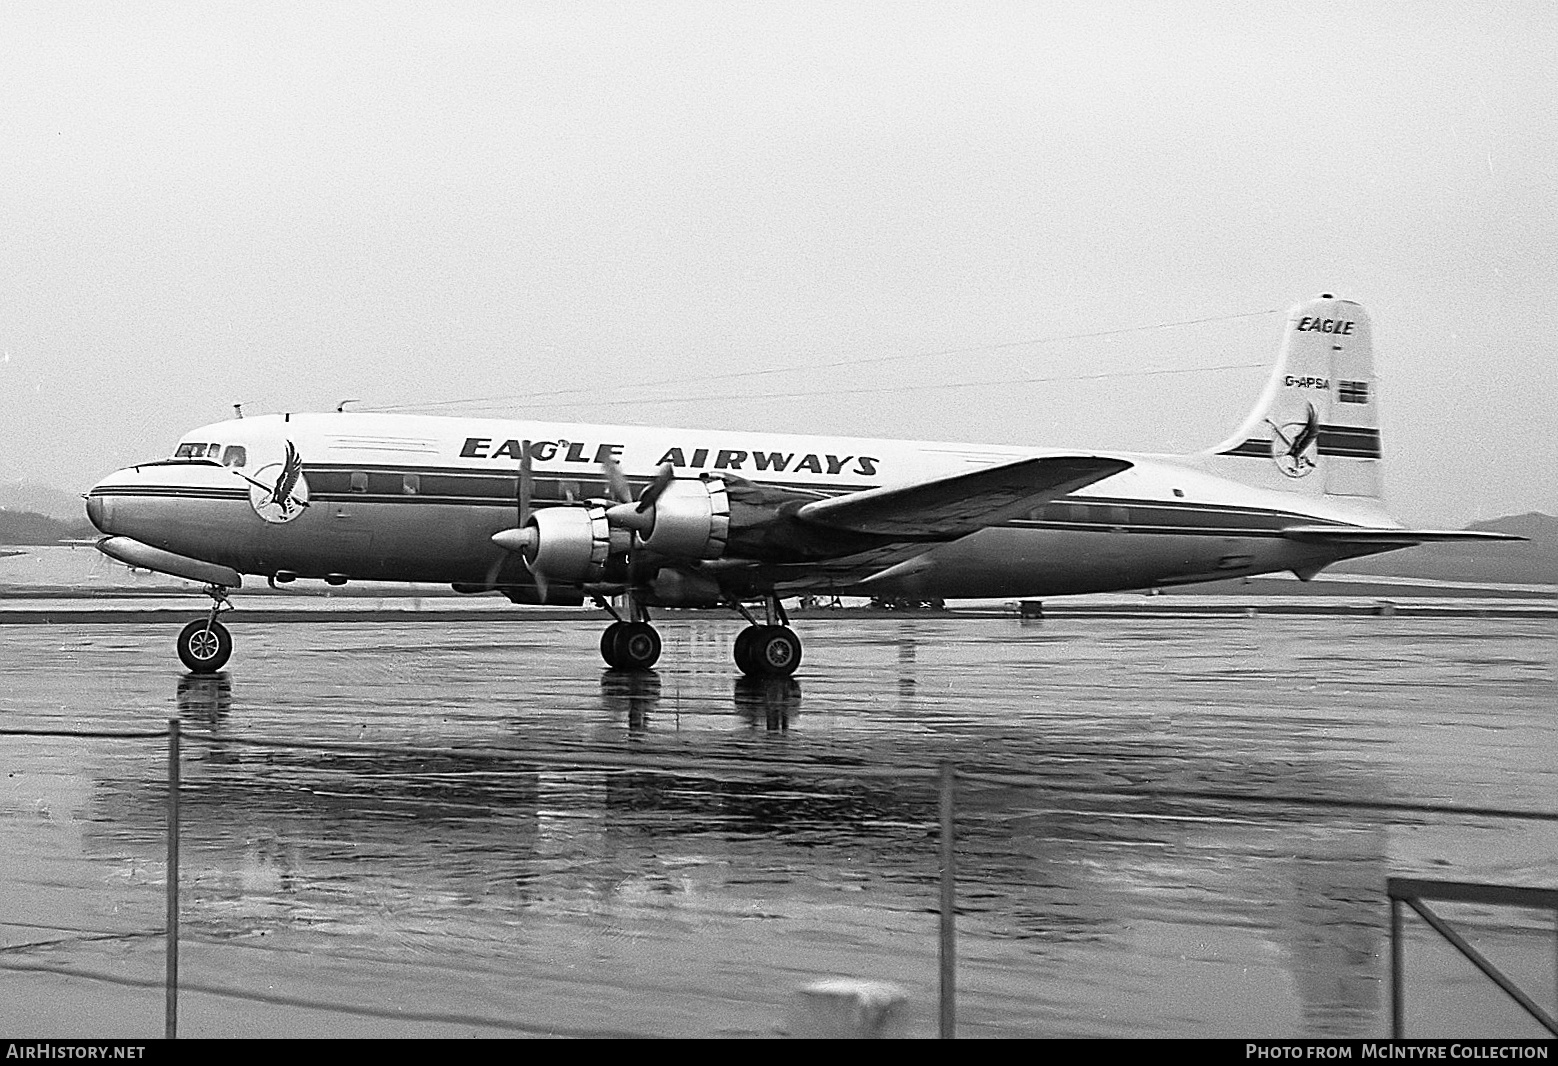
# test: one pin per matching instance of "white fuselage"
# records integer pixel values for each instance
(418, 498)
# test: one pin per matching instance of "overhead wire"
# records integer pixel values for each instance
(594, 391)
(704, 396)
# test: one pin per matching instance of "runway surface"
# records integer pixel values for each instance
(1167, 826)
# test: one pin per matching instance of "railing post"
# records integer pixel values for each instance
(171, 979)
(948, 910)
(1396, 1007)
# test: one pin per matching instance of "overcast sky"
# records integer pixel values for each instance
(594, 211)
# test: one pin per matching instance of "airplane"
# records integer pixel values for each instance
(635, 517)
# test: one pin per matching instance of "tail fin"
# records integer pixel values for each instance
(1315, 429)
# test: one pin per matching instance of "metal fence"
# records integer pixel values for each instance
(1414, 892)
(946, 778)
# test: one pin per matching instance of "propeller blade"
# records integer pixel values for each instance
(526, 487)
(492, 572)
(616, 481)
(663, 478)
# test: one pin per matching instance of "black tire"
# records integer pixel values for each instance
(742, 652)
(775, 651)
(205, 646)
(636, 646)
(608, 644)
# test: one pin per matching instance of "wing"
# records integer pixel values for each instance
(962, 503)
(1365, 535)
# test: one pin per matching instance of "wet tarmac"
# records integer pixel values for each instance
(1167, 826)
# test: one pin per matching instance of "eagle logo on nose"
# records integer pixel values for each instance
(1293, 445)
(279, 492)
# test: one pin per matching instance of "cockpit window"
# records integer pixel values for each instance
(236, 455)
(190, 451)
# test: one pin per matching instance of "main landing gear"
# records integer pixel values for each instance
(629, 644)
(205, 645)
(763, 649)
(769, 648)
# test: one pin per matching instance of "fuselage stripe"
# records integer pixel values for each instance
(1070, 513)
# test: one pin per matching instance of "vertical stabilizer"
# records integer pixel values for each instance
(1315, 429)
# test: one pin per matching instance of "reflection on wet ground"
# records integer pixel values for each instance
(1166, 826)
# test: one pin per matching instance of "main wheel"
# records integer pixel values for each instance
(774, 651)
(608, 644)
(205, 646)
(742, 652)
(635, 647)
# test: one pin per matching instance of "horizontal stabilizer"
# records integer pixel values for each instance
(1367, 535)
(962, 503)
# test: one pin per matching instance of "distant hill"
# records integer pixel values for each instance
(25, 527)
(1534, 561)
(39, 499)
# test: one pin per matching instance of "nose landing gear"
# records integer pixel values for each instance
(205, 645)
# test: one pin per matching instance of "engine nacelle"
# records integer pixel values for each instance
(691, 519)
(567, 544)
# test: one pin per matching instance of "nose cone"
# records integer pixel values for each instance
(97, 510)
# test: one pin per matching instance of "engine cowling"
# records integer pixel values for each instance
(691, 519)
(567, 544)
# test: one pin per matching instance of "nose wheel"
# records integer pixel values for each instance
(205, 645)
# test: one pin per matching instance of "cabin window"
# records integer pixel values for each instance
(236, 455)
(1119, 516)
(359, 481)
(410, 484)
(570, 490)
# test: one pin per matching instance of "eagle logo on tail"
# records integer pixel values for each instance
(1294, 444)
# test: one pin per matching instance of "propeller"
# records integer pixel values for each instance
(521, 538)
(638, 517)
